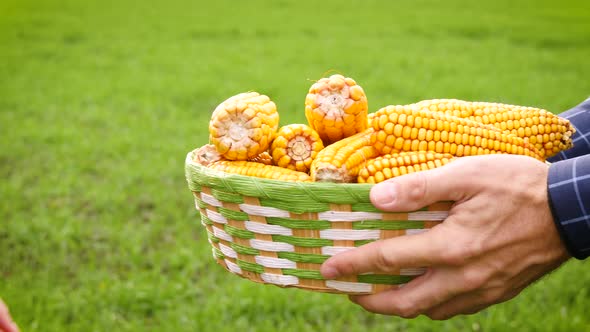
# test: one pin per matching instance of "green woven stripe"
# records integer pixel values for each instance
(206, 220)
(250, 266)
(240, 249)
(299, 224)
(227, 197)
(233, 215)
(295, 193)
(359, 243)
(383, 279)
(302, 241)
(218, 254)
(193, 186)
(388, 224)
(305, 274)
(241, 233)
(364, 207)
(200, 203)
(298, 207)
(303, 258)
(212, 237)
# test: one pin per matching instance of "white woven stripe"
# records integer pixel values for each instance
(279, 279)
(220, 233)
(331, 251)
(416, 271)
(216, 217)
(336, 216)
(350, 234)
(227, 251)
(210, 200)
(261, 228)
(277, 263)
(264, 211)
(428, 215)
(415, 231)
(271, 246)
(197, 204)
(233, 267)
(352, 287)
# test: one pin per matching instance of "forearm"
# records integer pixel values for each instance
(579, 117)
(569, 196)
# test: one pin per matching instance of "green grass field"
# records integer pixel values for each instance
(101, 100)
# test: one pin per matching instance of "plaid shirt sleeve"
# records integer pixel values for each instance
(569, 185)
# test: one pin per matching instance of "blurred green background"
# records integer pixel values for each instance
(101, 100)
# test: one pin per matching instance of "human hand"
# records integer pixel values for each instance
(6, 323)
(498, 238)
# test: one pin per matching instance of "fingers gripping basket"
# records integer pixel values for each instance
(279, 233)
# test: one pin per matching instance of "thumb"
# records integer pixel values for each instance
(452, 182)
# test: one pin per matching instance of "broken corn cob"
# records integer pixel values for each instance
(263, 158)
(402, 128)
(391, 165)
(250, 168)
(341, 161)
(547, 132)
(295, 147)
(336, 107)
(208, 154)
(243, 126)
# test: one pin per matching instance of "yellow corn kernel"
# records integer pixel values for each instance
(341, 161)
(336, 107)
(465, 132)
(391, 165)
(249, 168)
(295, 147)
(243, 126)
(522, 121)
(263, 158)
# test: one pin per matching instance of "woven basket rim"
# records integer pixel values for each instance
(219, 174)
(324, 192)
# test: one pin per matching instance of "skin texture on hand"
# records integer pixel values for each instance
(499, 237)
(6, 323)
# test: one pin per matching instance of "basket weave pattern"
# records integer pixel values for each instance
(280, 233)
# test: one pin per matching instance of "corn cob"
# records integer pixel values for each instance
(250, 168)
(243, 126)
(547, 132)
(336, 107)
(341, 161)
(295, 147)
(391, 165)
(402, 128)
(206, 155)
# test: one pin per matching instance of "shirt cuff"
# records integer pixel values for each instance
(569, 198)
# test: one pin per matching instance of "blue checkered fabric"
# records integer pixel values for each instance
(569, 185)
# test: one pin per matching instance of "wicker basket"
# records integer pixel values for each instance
(279, 233)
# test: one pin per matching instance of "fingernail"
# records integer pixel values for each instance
(383, 194)
(329, 272)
